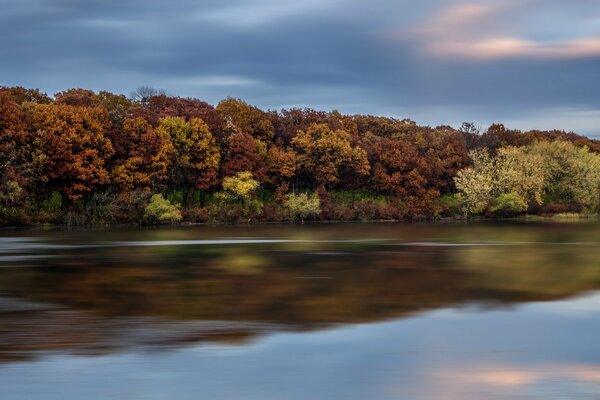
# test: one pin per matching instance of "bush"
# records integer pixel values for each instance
(509, 204)
(237, 201)
(104, 208)
(11, 199)
(241, 186)
(196, 214)
(135, 203)
(51, 209)
(451, 205)
(303, 206)
(161, 210)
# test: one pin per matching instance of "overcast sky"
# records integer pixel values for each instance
(527, 63)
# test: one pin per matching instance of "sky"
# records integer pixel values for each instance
(526, 63)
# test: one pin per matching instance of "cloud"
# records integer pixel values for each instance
(493, 31)
(448, 60)
(251, 14)
(506, 47)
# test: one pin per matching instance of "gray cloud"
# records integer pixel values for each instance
(527, 62)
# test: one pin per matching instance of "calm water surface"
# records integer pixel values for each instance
(507, 310)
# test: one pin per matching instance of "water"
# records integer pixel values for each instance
(506, 310)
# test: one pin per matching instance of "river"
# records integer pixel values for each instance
(481, 310)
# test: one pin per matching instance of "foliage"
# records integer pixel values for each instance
(509, 203)
(144, 159)
(161, 210)
(476, 184)
(240, 187)
(323, 153)
(303, 206)
(71, 148)
(244, 118)
(103, 208)
(194, 153)
(102, 155)
(517, 177)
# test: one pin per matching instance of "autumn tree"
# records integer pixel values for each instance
(323, 154)
(14, 157)
(144, 161)
(73, 147)
(161, 106)
(281, 166)
(288, 122)
(77, 97)
(400, 171)
(21, 95)
(244, 153)
(244, 118)
(195, 154)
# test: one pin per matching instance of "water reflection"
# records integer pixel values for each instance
(384, 311)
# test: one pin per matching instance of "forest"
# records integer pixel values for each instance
(87, 158)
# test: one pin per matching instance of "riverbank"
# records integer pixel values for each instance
(562, 217)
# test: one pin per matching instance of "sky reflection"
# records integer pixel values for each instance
(450, 354)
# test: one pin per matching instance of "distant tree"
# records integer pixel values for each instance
(244, 118)
(476, 184)
(78, 97)
(323, 154)
(471, 135)
(143, 94)
(73, 148)
(244, 153)
(22, 95)
(161, 106)
(144, 161)
(281, 165)
(195, 155)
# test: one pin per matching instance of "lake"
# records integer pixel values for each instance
(481, 310)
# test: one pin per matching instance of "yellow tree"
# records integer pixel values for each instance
(521, 172)
(323, 154)
(476, 184)
(195, 155)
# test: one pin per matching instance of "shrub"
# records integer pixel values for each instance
(196, 214)
(241, 186)
(161, 210)
(238, 200)
(508, 204)
(11, 197)
(303, 206)
(451, 205)
(104, 208)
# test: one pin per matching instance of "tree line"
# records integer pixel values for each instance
(82, 157)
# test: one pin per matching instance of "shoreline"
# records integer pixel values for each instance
(445, 220)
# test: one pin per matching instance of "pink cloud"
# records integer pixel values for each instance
(506, 47)
(490, 31)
